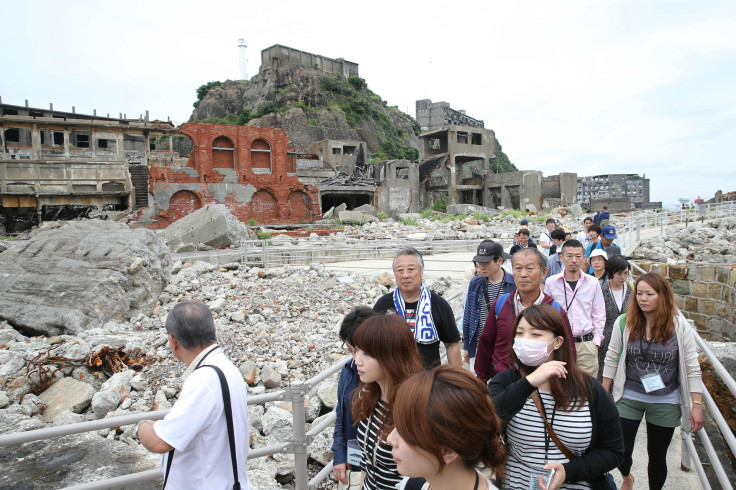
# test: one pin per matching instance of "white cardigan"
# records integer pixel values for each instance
(689, 374)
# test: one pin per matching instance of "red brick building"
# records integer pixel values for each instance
(250, 170)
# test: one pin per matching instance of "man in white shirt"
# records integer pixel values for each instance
(583, 236)
(581, 296)
(545, 239)
(195, 433)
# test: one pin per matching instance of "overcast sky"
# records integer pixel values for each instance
(578, 86)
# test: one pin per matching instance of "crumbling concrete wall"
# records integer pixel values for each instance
(559, 190)
(517, 190)
(251, 170)
(399, 192)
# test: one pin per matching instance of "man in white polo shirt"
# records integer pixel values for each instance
(195, 433)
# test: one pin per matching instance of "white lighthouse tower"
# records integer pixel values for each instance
(241, 49)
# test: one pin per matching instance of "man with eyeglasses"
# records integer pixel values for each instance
(530, 267)
(582, 298)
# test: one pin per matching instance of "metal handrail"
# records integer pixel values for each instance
(297, 446)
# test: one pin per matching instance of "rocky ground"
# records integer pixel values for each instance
(713, 242)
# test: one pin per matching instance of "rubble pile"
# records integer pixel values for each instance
(712, 242)
(273, 328)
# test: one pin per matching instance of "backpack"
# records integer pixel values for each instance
(622, 324)
(505, 297)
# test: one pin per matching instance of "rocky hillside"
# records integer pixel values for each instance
(311, 105)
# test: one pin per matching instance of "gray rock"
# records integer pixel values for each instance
(366, 209)
(11, 422)
(327, 392)
(11, 363)
(314, 406)
(211, 225)
(249, 370)
(340, 207)
(68, 417)
(8, 335)
(469, 209)
(271, 378)
(329, 213)
(277, 425)
(217, 304)
(355, 217)
(4, 400)
(255, 416)
(66, 394)
(77, 277)
(321, 448)
(104, 401)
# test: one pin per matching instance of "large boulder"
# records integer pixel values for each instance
(80, 276)
(212, 225)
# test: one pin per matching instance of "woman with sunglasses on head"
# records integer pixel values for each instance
(385, 354)
(653, 363)
(557, 417)
(445, 426)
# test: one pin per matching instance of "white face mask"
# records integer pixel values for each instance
(530, 352)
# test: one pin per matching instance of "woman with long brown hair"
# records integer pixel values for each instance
(445, 425)
(385, 355)
(653, 363)
(562, 429)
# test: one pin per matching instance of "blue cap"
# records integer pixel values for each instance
(609, 232)
(524, 222)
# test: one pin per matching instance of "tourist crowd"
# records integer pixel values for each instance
(561, 368)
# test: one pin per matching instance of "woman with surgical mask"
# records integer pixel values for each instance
(562, 429)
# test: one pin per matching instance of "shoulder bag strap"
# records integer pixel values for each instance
(168, 467)
(229, 418)
(538, 402)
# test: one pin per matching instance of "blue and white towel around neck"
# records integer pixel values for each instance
(424, 330)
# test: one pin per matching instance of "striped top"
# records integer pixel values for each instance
(376, 460)
(492, 292)
(526, 435)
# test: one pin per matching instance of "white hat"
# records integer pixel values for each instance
(598, 253)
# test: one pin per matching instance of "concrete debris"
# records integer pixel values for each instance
(356, 217)
(77, 277)
(66, 394)
(212, 225)
(470, 209)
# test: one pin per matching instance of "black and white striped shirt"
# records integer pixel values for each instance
(376, 460)
(526, 438)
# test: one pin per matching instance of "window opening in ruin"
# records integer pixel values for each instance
(402, 173)
(260, 156)
(10, 112)
(476, 138)
(43, 137)
(101, 143)
(336, 151)
(58, 137)
(82, 140)
(434, 143)
(12, 135)
(462, 138)
(223, 153)
(35, 114)
(348, 151)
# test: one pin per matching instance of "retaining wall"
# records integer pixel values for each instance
(704, 292)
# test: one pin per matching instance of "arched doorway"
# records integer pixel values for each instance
(183, 203)
(299, 207)
(223, 153)
(264, 207)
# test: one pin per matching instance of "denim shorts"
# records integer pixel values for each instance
(661, 414)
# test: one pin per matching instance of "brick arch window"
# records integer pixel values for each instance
(223, 153)
(260, 157)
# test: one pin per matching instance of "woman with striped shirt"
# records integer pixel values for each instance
(385, 355)
(577, 408)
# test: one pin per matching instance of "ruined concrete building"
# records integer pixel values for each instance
(277, 53)
(435, 114)
(251, 170)
(57, 164)
(620, 191)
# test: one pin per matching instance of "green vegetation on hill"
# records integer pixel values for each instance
(353, 97)
(501, 163)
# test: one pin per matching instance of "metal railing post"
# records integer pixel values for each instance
(298, 392)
